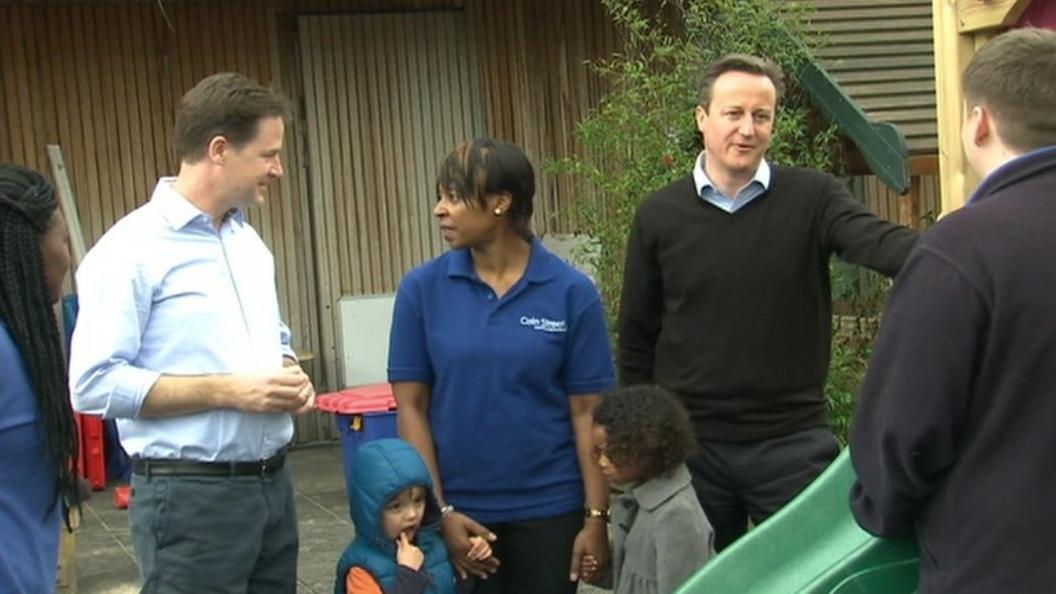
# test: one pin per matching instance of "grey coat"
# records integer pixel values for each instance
(661, 535)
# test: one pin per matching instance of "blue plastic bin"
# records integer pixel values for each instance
(363, 413)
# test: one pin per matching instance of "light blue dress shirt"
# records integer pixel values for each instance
(165, 292)
(709, 193)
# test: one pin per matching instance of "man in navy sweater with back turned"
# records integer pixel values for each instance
(955, 433)
(726, 299)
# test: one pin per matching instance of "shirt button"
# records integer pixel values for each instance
(490, 296)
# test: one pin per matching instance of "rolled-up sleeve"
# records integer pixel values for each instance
(114, 306)
(286, 342)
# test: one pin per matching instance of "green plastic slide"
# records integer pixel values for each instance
(812, 546)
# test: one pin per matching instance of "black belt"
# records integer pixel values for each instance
(161, 467)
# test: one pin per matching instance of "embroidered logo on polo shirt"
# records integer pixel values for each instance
(544, 324)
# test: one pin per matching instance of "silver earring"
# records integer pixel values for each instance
(498, 212)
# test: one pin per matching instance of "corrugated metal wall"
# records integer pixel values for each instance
(102, 80)
(537, 86)
(386, 114)
(881, 53)
(379, 117)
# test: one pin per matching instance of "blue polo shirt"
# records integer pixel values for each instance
(29, 512)
(501, 372)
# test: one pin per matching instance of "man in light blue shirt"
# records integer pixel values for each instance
(179, 338)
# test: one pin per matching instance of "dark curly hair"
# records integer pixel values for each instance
(647, 429)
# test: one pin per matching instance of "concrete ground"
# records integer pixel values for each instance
(106, 562)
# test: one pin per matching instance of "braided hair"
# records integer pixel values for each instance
(27, 205)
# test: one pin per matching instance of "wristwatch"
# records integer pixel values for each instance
(593, 512)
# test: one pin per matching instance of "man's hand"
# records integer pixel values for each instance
(288, 390)
(307, 394)
(458, 531)
(590, 551)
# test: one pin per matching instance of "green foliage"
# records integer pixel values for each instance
(643, 134)
(859, 295)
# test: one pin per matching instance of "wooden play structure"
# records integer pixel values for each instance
(960, 28)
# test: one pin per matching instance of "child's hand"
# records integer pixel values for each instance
(479, 549)
(588, 567)
(407, 554)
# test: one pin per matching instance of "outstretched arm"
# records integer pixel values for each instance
(860, 237)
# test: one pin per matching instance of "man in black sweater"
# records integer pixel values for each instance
(726, 299)
(956, 425)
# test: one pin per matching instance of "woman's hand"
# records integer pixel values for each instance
(590, 551)
(458, 531)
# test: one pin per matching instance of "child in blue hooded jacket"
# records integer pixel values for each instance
(397, 548)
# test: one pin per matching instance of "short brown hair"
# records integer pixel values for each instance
(1014, 77)
(475, 170)
(740, 63)
(227, 104)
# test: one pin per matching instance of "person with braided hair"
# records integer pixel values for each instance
(38, 437)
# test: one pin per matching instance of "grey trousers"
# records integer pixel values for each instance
(735, 481)
(215, 535)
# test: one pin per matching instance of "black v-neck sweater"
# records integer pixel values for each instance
(732, 312)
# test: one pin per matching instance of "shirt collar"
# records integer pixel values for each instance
(992, 179)
(540, 265)
(178, 211)
(652, 493)
(701, 179)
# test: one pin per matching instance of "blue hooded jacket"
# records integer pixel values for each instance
(380, 470)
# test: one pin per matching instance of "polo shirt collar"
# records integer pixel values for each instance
(540, 264)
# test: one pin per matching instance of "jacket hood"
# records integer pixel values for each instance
(380, 470)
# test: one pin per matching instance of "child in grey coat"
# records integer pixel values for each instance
(642, 437)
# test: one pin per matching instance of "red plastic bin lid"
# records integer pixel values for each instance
(361, 399)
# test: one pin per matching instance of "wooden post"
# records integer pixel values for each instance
(909, 205)
(67, 203)
(960, 28)
(983, 15)
(952, 53)
(67, 578)
(67, 575)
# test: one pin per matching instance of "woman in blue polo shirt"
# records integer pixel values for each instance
(38, 439)
(498, 353)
